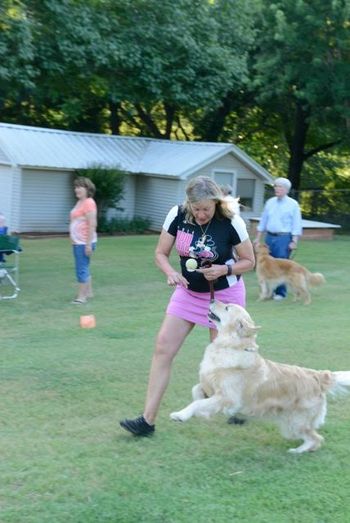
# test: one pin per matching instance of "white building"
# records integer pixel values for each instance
(37, 168)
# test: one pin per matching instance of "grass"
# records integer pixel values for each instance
(64, 458)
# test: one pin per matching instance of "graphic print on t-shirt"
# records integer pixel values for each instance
(202, 249)
(183, 242)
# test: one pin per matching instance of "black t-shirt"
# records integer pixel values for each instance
(212, 242)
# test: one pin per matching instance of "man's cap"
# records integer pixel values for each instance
(283, 182)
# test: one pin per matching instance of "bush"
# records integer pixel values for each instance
(109, 187)
(137, 225)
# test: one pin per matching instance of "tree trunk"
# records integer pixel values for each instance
(297, 145)
(213, 123)
(115, 118)
(170, 115)
(149, 122)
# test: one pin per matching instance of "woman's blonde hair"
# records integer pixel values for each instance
(81, 181)
(204, 188)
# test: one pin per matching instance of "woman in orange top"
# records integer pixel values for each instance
(83, 222)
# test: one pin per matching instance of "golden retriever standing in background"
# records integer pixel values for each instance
(234, 379)
(272, 272)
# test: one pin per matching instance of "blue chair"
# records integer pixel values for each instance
(9, 269)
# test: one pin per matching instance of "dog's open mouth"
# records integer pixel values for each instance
(213, 317)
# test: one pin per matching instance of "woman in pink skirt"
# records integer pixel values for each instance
(202, 230)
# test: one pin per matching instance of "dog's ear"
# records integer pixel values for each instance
(246, 328)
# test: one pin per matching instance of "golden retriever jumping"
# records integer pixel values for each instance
(272, 272)
(235, 379)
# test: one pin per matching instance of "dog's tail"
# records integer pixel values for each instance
(341, 382)
(315, 279)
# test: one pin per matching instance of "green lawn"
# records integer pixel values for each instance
(64, 458)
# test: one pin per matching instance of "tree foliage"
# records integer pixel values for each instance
(131, 65)
(17, 52)
(272, 77)
(302, 74)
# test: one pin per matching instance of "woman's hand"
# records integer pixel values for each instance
(214, 272)
(88, 249)
(175, 278)
(165, 244)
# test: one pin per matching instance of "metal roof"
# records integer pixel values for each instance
(56, 149)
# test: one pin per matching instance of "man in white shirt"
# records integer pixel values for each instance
(281, 223)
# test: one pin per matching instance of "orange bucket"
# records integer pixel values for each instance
(88, 322)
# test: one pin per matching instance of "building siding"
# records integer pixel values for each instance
(16, 199)
(126, 204)
(6, 188)
(47, 198)
(155, 197)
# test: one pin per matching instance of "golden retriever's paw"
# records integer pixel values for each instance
(296, 451)
(300, 450)
(178, 416)
(307, 446)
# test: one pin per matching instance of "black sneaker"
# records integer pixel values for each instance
(235, 420)
(138, 426)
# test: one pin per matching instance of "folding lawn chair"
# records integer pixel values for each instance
(9, 268)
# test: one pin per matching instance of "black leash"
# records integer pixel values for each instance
(206, 264)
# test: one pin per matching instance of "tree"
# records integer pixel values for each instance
(237, 33)
(132, 66)
(172, 60)
(17, 51)
(302, 75)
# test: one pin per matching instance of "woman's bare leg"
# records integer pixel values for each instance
(170, 338)
(82, 291)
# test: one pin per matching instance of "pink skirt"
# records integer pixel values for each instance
(194, 306)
